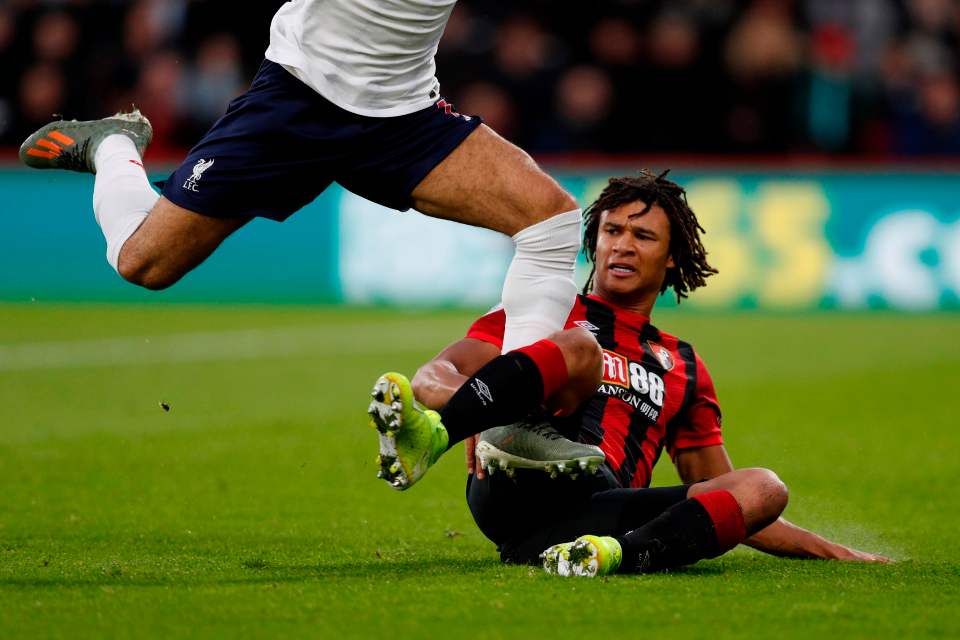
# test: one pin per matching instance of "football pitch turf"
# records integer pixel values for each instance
(174, 471)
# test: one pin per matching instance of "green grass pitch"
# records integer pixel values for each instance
(250, 507)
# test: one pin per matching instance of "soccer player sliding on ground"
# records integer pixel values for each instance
(620, 388)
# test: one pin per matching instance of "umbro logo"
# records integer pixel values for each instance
(198, 170)
(589, 326)
(482, 390)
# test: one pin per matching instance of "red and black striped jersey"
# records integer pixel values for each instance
(655, 393)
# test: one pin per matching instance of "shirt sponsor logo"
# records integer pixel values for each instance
(198, 171)
(615, 368)
(631, 382)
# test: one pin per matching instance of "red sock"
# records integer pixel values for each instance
(727, 517)
(549, 360)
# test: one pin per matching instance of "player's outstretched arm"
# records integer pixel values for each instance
(785, 539)
(781, 538)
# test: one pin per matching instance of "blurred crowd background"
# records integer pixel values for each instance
(854, 77)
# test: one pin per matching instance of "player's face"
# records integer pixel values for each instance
(633, 254)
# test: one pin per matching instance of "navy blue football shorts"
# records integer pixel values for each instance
(281, 144)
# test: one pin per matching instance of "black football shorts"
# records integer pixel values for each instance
(530, 512)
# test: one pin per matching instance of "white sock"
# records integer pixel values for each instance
(539, 289)
(122, 194)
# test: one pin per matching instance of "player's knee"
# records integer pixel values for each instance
(145, 273)
(780, 493)
(561, 202)
(581, 352)
(583, 357)
(553, 200)
(771, 492)
(762, 496)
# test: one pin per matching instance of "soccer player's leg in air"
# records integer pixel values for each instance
(150, 241)
(554, 375)
(154, 241)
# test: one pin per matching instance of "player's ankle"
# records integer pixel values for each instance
(116, 146)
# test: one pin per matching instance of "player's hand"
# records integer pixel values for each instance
(473, 465)
(846, 554)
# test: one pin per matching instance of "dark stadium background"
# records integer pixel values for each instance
(857, 78)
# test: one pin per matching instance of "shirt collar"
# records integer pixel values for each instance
(626, 317)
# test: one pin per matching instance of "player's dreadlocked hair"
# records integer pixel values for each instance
(692, 268)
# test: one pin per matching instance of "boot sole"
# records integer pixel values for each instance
(386, 416)
(580, 560)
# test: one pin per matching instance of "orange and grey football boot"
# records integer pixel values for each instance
(72, 145)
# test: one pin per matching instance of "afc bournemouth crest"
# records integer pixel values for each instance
(662, 354)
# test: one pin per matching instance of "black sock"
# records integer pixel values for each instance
(681, 535)
(507, 389)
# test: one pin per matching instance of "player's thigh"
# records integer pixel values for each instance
(172, 240)
(489, 182)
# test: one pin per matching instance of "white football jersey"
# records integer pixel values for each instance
(370, 57)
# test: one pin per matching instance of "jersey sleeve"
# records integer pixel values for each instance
(699, 426)
(490, 327)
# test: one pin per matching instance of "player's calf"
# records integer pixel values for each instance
(111, 148)
(716, 517)
(150, 241)
(501, 397)
(539, 289)
(170, 243)
(507, 390)
(704, 526)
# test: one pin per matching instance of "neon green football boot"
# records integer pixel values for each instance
(412, 438)
(587, 556)
(72, 145)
